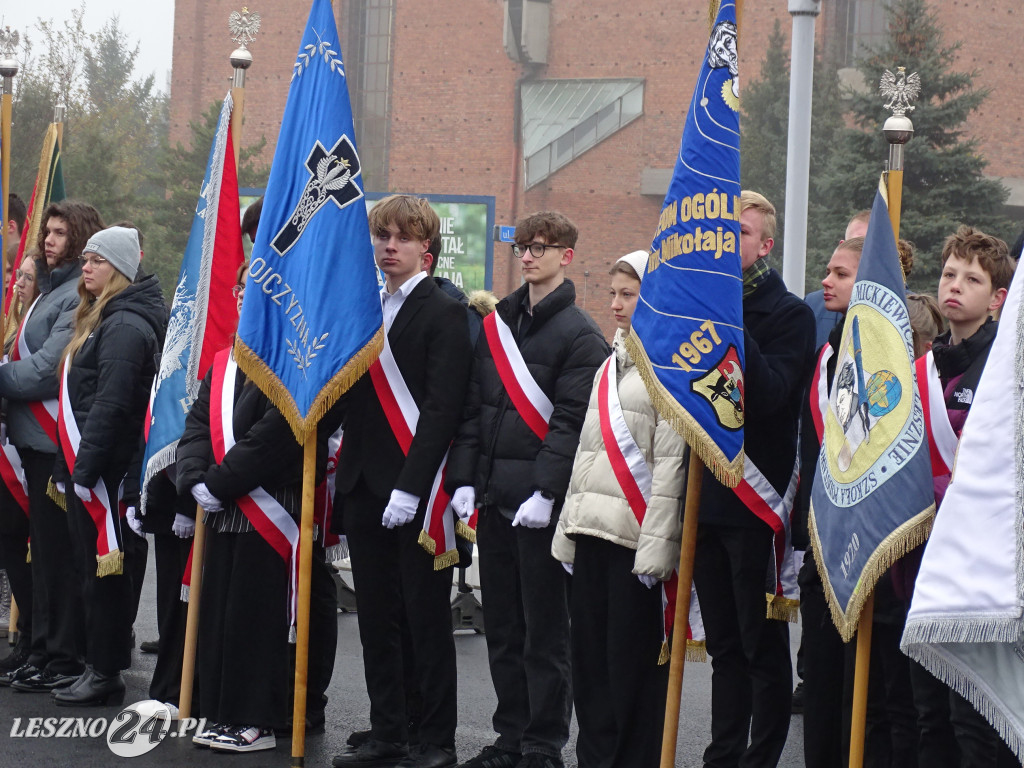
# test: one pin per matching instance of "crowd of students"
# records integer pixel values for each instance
(547, 442)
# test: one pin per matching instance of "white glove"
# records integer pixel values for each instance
(205, 499)
(535, 512)
(648, 580)
(183, 526)
(85, 494)
(400, 509)
(568, 568)
(134, 521)
(464, 502)
(59, 487)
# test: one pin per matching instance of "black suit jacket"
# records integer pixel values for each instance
(430, 341)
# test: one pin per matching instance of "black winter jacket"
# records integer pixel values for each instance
(495, 450)
(778, 340)
(109, 383)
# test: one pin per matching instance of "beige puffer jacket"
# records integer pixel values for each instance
(595, 504)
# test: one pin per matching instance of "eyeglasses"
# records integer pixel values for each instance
(28, 277)
(238, 290)
(94, 260)
(536, 250)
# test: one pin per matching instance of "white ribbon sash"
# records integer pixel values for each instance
(526, 395)
(109, 557)
(942, 440)
(270, 519)
(439, 528)
(627, 460)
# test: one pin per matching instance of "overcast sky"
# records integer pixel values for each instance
(147, 22)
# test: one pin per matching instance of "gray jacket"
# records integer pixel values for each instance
(47, 333)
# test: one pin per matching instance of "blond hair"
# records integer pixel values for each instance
(90, 312)
(761, 204)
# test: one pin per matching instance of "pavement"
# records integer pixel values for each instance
(347, 711)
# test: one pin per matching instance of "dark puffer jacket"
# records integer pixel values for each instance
(109, 382)
(495, 450)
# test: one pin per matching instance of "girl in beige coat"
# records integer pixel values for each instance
(619, 555)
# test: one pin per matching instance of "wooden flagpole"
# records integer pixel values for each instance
(898, 130)
(302, 622)
(188, 664)
(687, 549)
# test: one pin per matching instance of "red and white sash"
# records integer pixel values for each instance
(102, 510)
(758, 495)
(696, 643)
(526, 395)
(402, 413)
(818, 394)
(263, 511)
(45, 411)
(13, 475)
(942, 440)
(335, 546)
(627, 460)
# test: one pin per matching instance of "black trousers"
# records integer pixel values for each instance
(526, 612)
(395, 580)
(109, 601)
(619, 687)
(243, 632)
(14, 532)
(58, 616)
(171, 555)
(323, 638)
(752, 676)
(826, 722)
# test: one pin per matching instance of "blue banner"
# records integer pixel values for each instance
(687, 335)
(872, 499)
(311, 320)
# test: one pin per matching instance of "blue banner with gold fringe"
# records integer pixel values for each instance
(311, 320)
(872, 499)
(687, 330)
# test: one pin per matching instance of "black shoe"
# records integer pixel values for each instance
(358, 738)
(44, 682)
(150, 646)
(24, 672)
(79, 681)
(372, 754)
(535, 760)
(18, 657)
(99, 690)
(493, 757)
(798, 699)
(430, 756)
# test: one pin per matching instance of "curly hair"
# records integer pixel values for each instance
(551, 225)
(83, 222)
(992, 254)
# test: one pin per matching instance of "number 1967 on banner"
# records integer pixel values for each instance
(698, 346)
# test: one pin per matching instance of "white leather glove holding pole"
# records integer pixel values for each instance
(205, 499)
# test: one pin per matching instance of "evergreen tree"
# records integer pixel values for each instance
(943, 183)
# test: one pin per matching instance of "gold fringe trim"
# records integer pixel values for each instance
(28, 555)
(727, 471)
(696, 650)
(262, 376)
(110, 564)
(56, 496)
(463, 531)
(664, 655)
(783, 608)
(907, 537)
(713, 6)
(427, 543)
(447, 560)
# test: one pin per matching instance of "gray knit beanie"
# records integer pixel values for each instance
(119, 246)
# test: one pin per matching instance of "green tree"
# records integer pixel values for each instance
(944, 183)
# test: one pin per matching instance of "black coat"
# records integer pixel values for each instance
(109, 383)
(778, 340)
(495, 450)
(430, 342)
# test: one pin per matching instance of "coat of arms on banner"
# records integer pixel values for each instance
(722, 387)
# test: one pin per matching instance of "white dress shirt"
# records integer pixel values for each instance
(390, 303)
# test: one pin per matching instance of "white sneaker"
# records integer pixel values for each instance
(172, 709)
(206, 738)
(245, 738)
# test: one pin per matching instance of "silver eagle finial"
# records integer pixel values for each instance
(900, 89)
(243, 26)
(9, 39)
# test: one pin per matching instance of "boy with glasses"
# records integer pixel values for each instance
(532, 373)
